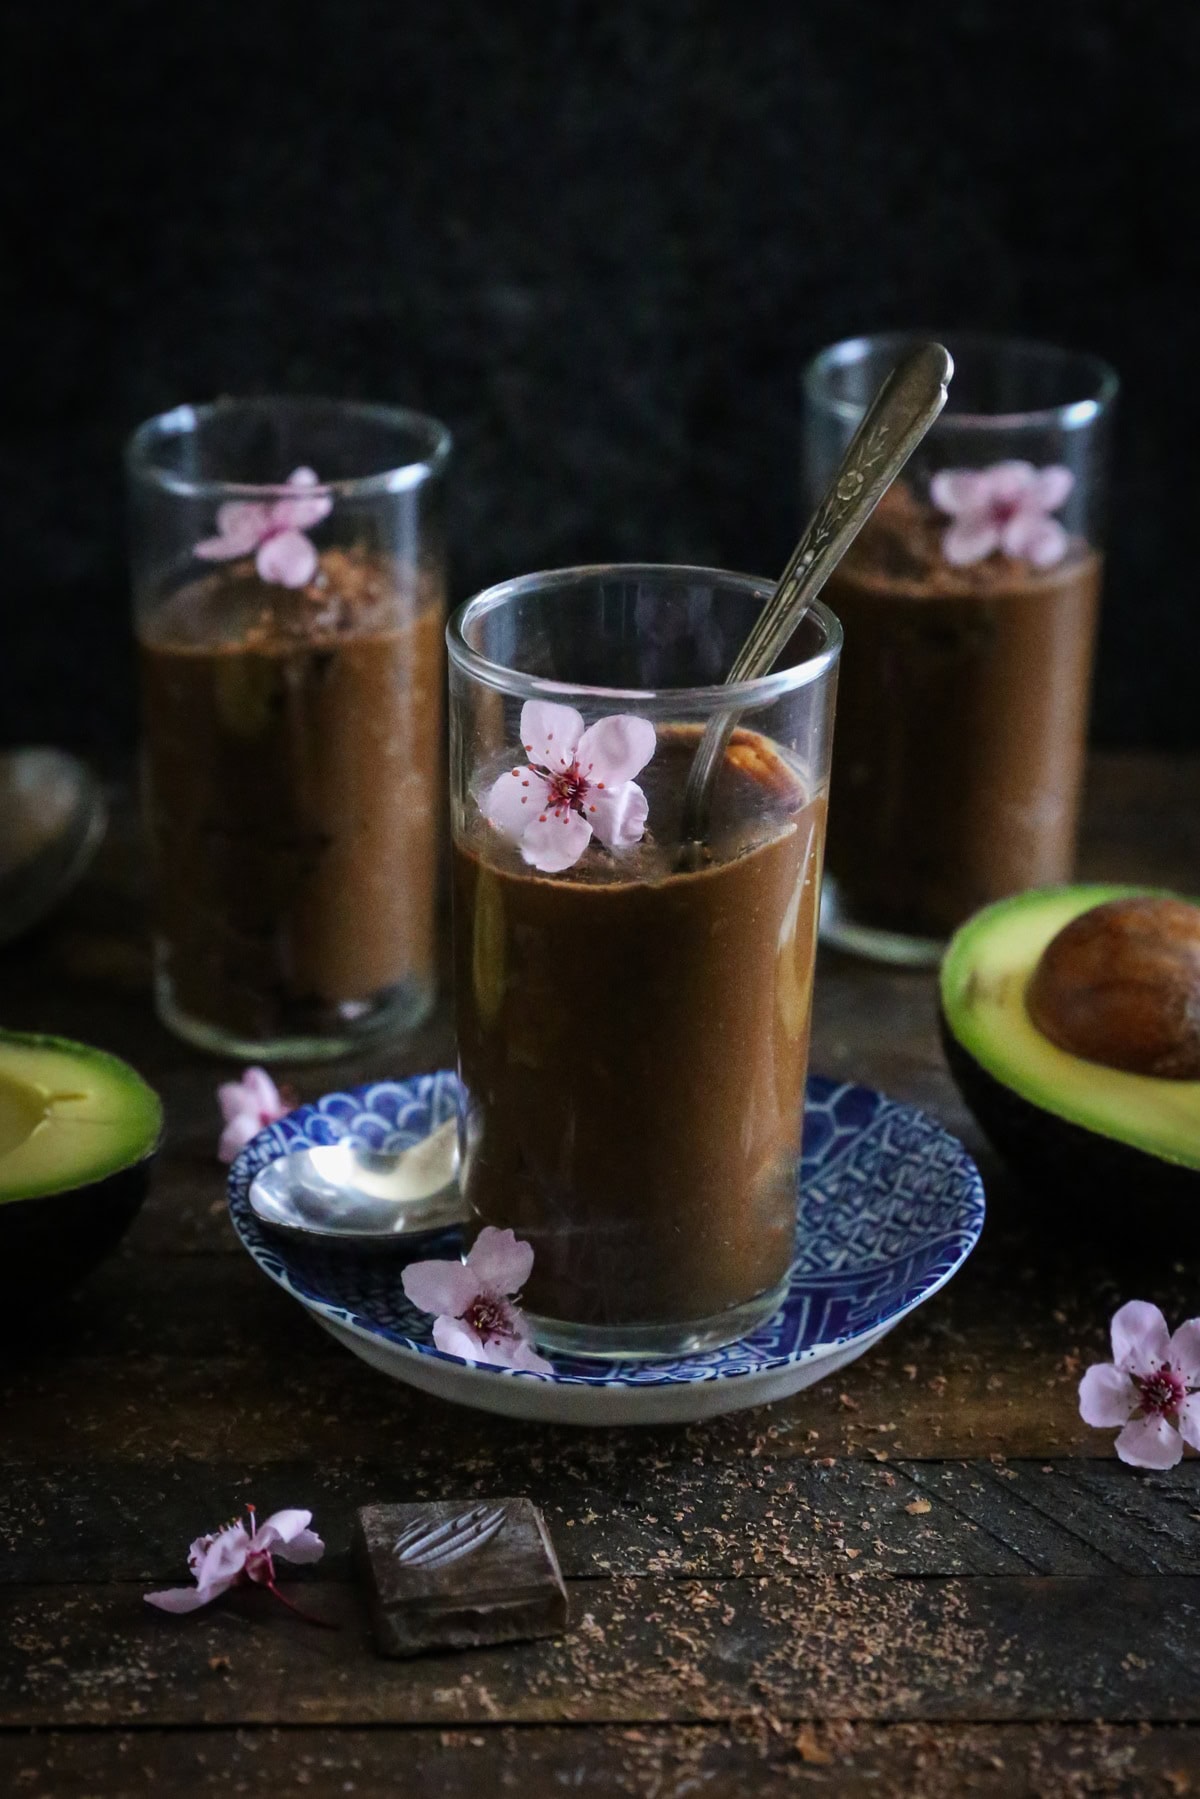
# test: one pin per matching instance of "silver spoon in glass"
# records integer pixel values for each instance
(894, 424)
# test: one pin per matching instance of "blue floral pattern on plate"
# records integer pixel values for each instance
(890, 1205)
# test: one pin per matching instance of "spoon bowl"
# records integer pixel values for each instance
(52, 818)
(339, 1193)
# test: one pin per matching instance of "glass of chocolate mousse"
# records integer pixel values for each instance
(633, 1026)
(288, 571)
(969, 603)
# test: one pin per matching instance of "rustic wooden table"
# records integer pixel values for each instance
(922, 1576)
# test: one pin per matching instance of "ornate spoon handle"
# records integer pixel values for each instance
(895, 422)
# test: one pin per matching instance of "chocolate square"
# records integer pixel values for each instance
(459, 1574)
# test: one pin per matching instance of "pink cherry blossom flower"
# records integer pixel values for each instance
(1006, 507)
(273, 534)
(1151, 1387)
(237, 1556)
(247, 1106)
(577, 781)
(475, 1302)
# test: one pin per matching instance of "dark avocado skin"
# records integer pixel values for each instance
(49, 1243)
(1086, 1179)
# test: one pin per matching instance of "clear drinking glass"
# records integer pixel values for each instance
(969, 604)
(633, 1036)
(288, 575)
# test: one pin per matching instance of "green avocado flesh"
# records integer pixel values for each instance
(70, 1116)
(984, 976)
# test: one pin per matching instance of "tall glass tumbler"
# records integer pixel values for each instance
(969, 603)
(633, 1035)
(288, 573)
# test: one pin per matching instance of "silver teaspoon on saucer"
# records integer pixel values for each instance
(365, 1199)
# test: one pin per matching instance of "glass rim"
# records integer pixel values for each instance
(1068, 415)
(760, 691)
(186, 419)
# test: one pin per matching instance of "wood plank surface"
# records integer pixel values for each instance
(639, 1650)
(923, 1576)
(123, 1522)
(757, 1756)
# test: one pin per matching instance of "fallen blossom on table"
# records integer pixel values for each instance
(577, 781)
(1005, 507)
(239, 1556)
(247, 1107)
(1151, 1388)
(477, 1317)
(272, 532)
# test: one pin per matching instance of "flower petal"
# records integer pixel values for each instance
(440, 1286)
(555, 840)
(517, 1352)
(242, 525)
(257, 1084)
(220, 1557)
(1140, 1339)
(497, 1260)
(618, 816)
(1150, 1443)
(615, 749)
(512, 801)
(452, 1337)
(307, 1547)
(1183, 1352)
(300, 514)
(220, 549)
(1107, 1396)
(970, 540)
(237, 1133)
(233, 1100)
(550, 733)
(1007, 483)
(1035, 538)
(280, 1527)
(287, 559)
(958, 490)
(189, 1599)
(287, 1535)
(1189, 1420)
(1051, 486)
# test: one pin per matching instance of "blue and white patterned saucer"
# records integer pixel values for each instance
(890, 1207)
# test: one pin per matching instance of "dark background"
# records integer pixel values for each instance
(599, 241)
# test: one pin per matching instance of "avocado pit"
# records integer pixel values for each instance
(1120, 986)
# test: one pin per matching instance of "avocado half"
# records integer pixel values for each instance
(1074, 1131)
(78, 1130)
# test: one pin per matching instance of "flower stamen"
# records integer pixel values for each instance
(1162, 1392)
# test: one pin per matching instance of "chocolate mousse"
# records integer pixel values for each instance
(634, 1042)
(292, 775)
(962, 719)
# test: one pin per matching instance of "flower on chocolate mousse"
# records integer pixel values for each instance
(577, 781)
(1005, 507)
(248, 1106)
(273, 533)
(1151, 1388)
(475, 1302)
(237, 1556)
